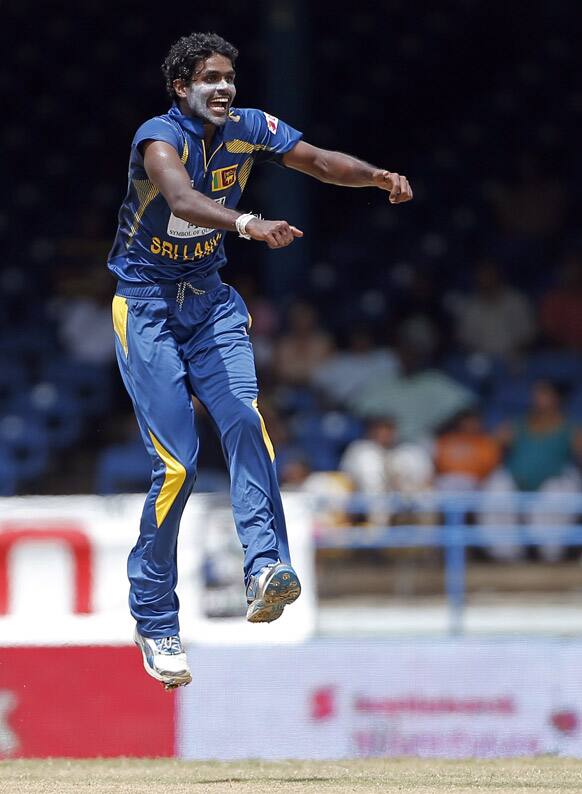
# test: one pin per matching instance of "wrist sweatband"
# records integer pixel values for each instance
(241, 224)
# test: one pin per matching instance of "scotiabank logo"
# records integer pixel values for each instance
(565, 721)
(434, 705)
(323, 703)
(323, 706)
(69, 535)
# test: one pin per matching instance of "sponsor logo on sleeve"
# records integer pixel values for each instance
(272, 122)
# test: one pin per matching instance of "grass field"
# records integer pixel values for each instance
(512, 776)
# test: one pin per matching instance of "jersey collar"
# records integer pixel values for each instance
(193, 125)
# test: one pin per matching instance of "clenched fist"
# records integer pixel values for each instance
(395, 184)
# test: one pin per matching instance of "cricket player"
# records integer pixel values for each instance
(180, 331)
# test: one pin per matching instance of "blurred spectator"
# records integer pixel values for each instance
(496, 319)
(294, 472)
(420, 400)
(466, 454)
(329, 491)
(342, 376)
(297, 475)
(304, 346)
(541, 454)
(264, 320)
(379, 464)
(561, 307)
(82, 310)
(417, 315)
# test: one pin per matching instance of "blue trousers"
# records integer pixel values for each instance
(169, 351)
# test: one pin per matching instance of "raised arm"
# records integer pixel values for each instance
(165, 169)
(343, 169)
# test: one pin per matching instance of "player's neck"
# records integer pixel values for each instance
(209, 128)
(209, 131)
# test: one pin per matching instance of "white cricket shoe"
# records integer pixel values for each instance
(164, 659)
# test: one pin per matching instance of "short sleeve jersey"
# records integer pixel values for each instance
(152, 245)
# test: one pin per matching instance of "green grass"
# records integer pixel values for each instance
(125, 776)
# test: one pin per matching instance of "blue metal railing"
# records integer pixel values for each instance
(454, 533)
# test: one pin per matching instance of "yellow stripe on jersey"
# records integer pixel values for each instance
(244, 171)
(146, 193)
(185, 153)
(236, 146)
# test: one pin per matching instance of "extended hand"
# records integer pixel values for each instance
(398, 187)
(277, 234)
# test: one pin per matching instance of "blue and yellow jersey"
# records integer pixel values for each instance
(152, 244)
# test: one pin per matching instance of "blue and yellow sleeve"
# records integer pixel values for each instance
(273, 137)
(158, 129)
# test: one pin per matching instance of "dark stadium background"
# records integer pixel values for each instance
(457, 95)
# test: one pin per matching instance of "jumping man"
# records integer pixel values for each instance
(181, 332)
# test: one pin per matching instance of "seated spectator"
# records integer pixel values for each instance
(342, 376)
(379, 464)
(294, 472)
(541, 454)
(329, 491)
(417, 314)
(264, 319)
(303, 347)
(496, 319)
(561, 307)
(420, 400)
(466, 454)
(82, 310)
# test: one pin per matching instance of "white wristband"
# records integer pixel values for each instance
(241, 224)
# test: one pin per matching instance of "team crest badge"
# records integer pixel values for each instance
(272, 122)
(224, 178)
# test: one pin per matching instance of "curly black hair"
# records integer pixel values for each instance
(186, 53)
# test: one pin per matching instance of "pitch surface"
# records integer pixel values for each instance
(124, 776)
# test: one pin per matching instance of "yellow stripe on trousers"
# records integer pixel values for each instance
(266, 439)
(119, 311)
(173, 481)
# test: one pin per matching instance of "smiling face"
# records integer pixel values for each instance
(210, 92)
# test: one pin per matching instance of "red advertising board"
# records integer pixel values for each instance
(82, 702)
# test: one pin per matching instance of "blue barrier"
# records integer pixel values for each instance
(454, 534)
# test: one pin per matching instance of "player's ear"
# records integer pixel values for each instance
(179, 87)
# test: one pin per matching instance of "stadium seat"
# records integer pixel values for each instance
(123, 468)
(511, 395)
(26, 444)
(13, 380)
(88, 384)
(574, 404)
(559, 366)
(8, 472)
(55, 409)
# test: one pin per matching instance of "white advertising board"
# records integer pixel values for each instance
(339, 699)
(63, 572)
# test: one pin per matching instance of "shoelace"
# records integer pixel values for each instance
(170, 645)
(181, 293)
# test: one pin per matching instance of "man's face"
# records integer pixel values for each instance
(383, 433)
(211, 91)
